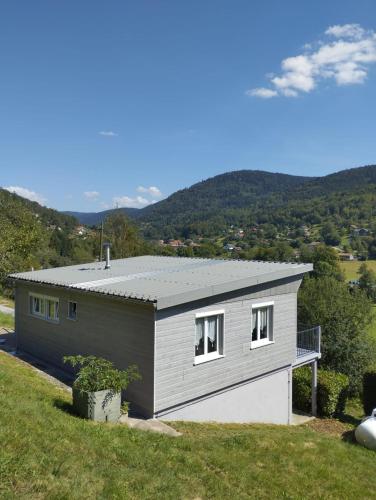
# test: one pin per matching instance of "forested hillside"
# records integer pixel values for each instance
(33, 236)
(248, 198)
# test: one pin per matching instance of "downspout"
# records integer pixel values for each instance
(289, 402)
(155, 352)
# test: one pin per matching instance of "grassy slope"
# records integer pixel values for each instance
(5, 301)
(48, 453)
(6, 320)
(351, 268)
(351, 273)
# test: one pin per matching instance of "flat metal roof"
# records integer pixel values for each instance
(165, 281)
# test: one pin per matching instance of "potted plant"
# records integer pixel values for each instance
(98, 385)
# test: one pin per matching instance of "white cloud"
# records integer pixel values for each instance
(127, 201)
(262, 92)
(152, 190)
(27, 193)
(91, 195)
(108, 133)
(345, 61)
(345, 31)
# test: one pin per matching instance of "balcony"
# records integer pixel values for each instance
(308, 346)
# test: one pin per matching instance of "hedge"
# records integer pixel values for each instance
(331, 391)
(369, 392)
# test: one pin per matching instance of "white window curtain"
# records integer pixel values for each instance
(212, 333)
(263, 323)
(254, 325)
(200, 336)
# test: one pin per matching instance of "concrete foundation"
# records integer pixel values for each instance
(263, 400)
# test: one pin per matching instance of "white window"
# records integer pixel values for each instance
(262, 324)
(37, 305)
(44, 307)
(209, 336)
(52, 309)
(72, 310)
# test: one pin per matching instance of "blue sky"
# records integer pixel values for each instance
(101, 101)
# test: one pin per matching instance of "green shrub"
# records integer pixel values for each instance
(98, 374)
(369, 392)
(301, 389)
(331, 391)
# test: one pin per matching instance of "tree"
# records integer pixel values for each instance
(123, 236)
(325, 262)
(21, 237)
(345, 316)
(367, 281)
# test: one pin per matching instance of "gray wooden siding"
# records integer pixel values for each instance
(178, 380)
(114, 329)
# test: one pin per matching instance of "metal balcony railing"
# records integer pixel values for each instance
(308, 342)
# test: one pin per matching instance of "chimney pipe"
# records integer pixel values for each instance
(106, 247)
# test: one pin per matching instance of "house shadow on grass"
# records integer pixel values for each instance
(65, 406)
(349, 437)
(348, 419)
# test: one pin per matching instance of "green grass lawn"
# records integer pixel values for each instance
(351, 268)
(6, 321)
(5, 301)
(46, 452)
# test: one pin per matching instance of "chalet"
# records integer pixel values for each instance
(346, 256)
(362, 231)
(214, 340)
(176, 243)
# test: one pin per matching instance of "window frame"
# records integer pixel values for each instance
(219, 353)
(68, 314)
(45, 315)
(270, 323)
(33, 312)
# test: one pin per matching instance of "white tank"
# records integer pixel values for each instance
(365, 433)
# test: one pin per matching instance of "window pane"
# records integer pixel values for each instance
(51, 309)
(254, 325)
(42, 306)
(200, 338)
(263, 323)
(220, 334)
(72, 313)
(212, 334)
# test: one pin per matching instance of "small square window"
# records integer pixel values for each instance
(72, 310)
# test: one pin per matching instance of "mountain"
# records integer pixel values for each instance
(47, 216)
(95, 218)
(251, 197)
(247, 198)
